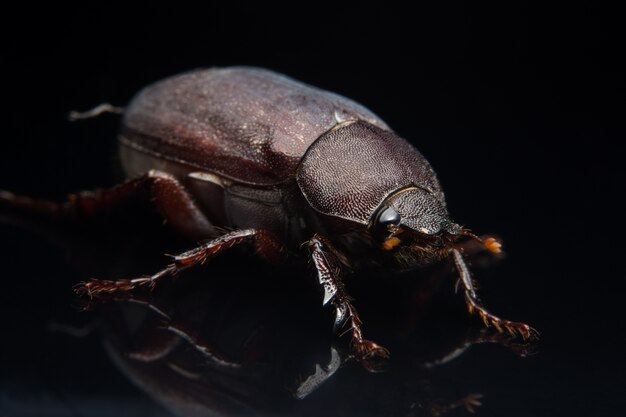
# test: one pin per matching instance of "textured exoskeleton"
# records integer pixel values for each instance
(278, 163)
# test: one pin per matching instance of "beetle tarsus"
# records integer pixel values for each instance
(515, 329)
(98, 289)
(265, 244)
(372, 356)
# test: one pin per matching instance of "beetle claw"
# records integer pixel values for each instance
(471, 401)
(372, 356)
(527, 332)
(523, 330)
(515, 329)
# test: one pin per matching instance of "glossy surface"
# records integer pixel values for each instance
(213, 348)
(575, 371)
(526, 106)
(238, 347)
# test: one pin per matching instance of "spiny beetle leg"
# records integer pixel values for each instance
(169, 196)
(347, 321)
(474, 306)
(266, 246)
(512, 327)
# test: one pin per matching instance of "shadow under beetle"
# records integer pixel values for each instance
(245, 155)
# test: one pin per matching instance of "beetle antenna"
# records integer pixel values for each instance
(490, 243)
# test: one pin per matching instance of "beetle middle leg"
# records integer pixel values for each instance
(474, 306)
(265, 244)
(347, 320)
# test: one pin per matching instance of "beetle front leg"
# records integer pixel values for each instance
(474, 306)
(347, 320)
(266, 246)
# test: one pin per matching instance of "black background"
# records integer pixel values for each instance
(519, 109)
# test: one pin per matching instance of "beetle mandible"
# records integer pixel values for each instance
(280, 163)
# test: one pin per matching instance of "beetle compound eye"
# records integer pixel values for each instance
(387, 217)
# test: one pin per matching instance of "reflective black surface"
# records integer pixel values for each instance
(271, 319)
(548, 181)
(243, 338)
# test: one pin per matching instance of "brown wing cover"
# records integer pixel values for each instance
(349, 171)
(247, 124)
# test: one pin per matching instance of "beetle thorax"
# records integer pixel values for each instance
(348, 172)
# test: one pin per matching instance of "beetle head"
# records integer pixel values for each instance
(414, 225)
(384, 188)
(419, 210)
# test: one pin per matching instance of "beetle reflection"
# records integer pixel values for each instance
(249, 339)
(206, 347)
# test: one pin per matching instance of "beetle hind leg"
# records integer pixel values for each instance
(474, 306)
(163, 190)
(99, 110)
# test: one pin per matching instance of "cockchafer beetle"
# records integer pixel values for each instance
(245, 155)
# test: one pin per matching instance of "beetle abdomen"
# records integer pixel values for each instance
(246, 124)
